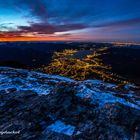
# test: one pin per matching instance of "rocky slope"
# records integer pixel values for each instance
(46, 107)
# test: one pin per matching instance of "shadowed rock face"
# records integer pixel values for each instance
(47, 107)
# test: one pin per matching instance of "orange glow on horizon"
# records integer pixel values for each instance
(47, 38)
(32, 39)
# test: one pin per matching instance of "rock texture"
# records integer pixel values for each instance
(47, 107)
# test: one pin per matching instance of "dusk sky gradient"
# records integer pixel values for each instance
(75, 20)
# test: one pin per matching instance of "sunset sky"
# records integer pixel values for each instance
(75, 20)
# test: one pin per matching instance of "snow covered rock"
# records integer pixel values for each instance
(48, 107)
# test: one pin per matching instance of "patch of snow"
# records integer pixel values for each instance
(2, 104)
(138, 102)
(99, 83)
(102, 98)
(52, 117)
(61, 78)
(108, 85)
(128, 86)
(35, 81)
(93, 81)
(62, 128)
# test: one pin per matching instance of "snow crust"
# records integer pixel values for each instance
(43, 84)
(62, 128)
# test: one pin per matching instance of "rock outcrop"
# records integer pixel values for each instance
(47, 107)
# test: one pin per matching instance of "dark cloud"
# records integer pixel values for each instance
(9, 34)
(44, 28)
(36, 7)
(41, 29)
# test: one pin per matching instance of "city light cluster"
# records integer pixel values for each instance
(90, 67)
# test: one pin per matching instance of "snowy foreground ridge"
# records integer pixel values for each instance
(71, 106)
(40, 83)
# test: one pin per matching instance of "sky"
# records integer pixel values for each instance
(70, 20)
